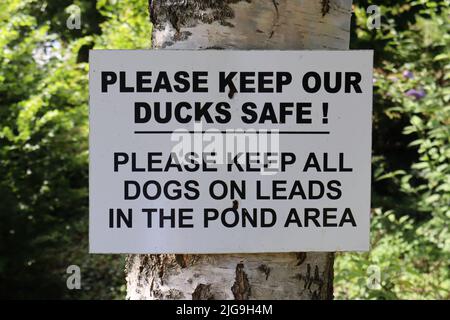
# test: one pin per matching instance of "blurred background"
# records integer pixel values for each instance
(44, 147)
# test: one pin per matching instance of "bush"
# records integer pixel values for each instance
(411, 167)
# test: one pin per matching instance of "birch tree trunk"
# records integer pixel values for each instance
(241, 24)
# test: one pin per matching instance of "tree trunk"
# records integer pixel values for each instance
(245, 24)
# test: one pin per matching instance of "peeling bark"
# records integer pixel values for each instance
(241, 24)
(256, 24)
(241, 286)
(202, 292)
(231, 276)
(325, 7)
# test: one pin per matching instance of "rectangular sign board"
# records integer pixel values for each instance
(229, 151)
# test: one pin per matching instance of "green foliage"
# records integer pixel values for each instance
(411, 189)
(410, 267)
(131, 29)
(44, 144)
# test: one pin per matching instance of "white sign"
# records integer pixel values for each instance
(229, 151)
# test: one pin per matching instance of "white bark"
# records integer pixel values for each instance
(241, 24)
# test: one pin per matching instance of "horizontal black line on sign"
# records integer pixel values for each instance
(232, 132)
